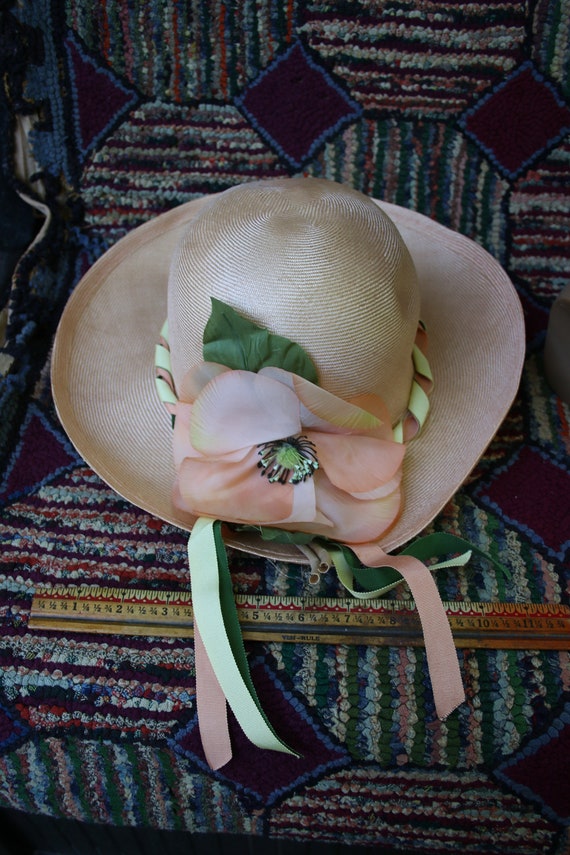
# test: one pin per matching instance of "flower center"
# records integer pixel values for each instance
(290, 460)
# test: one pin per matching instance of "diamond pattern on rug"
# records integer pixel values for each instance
(541, 770)
(296, 106)
(100, 100)
(512, 493)
(203, 148)
(539, 244)
(412, 811)
(518, 121)
(282, 772)
(401, 60)
(41, 453)
(12, 731)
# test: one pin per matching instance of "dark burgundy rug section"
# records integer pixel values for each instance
(296, 105)
(516, 122)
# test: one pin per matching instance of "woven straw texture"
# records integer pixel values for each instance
(106, 343)
(120, 112)
(320, 267)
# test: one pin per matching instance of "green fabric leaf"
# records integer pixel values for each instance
(370, 578)
(231, 340)
(430, 546)
(440, 543)
(277, 535)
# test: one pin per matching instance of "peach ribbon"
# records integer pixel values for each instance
(441, 653)
(212, 709)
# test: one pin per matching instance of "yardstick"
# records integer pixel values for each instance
(126, 611)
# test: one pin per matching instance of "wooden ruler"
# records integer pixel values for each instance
(125, 611)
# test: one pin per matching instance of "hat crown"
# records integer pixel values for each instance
(313, 261)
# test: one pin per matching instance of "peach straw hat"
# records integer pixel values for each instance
(290, 407)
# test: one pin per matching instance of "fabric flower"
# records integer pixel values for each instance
(270, 448)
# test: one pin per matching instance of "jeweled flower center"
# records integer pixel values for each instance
(288, 461)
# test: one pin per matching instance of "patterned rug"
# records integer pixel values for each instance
(458, 110)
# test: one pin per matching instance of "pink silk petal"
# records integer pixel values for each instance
(240, 409)
(181, 445)
(212, 709)
(304, 502)
(356, 463)
(333, 411)
(319, 525)
(354, 520)
(197, 378)
(321, 410)
(440, 649)
(183, 448)
(233, 491)
(384, 490)
(375, 405)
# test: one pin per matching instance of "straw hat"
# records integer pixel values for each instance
(344, 276)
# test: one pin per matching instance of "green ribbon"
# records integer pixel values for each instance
(215, 615)
(216, 618)
(377, 581)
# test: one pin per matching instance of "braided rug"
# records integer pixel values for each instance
(458, 110)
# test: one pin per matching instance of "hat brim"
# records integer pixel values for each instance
(103, 369)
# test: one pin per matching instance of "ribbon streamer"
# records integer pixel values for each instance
(212, 709)
(222, 673)
(215, 617)
(441, 654)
